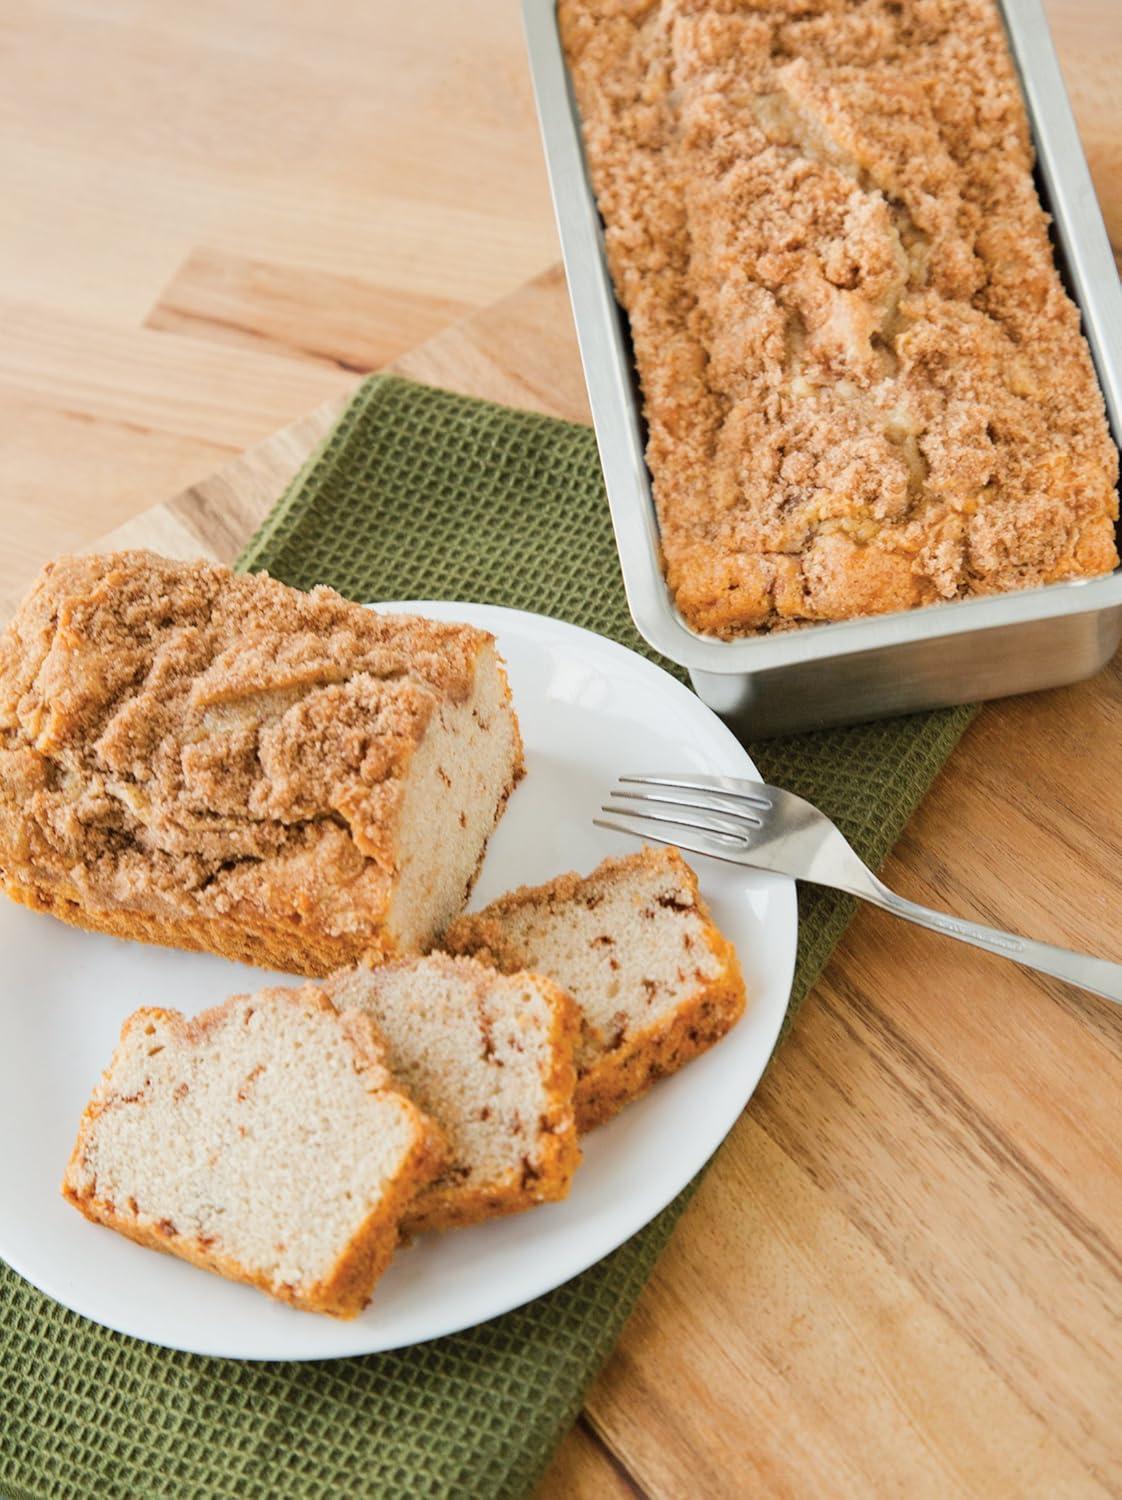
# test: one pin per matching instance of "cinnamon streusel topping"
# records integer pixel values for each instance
(182, 740)
(864, 384)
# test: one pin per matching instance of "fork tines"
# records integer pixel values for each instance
(712, 815)
(754, 792)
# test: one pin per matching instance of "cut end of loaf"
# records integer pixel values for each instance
(210, 760)
(264, 1140)
(635, 946)
(490, 1058)
(460, 779)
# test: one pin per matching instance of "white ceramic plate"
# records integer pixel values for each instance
(589, 709)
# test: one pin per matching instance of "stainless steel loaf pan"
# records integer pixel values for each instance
(889, 664)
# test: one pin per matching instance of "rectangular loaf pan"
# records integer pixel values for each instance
(871, 668)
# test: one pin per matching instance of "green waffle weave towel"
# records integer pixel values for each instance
(417, 494)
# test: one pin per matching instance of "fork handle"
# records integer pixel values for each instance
(1098, 975)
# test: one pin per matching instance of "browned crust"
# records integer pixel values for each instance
(296, 952)
(549, 1178)
(348, 1287)
(627, 1071)
(519, 745)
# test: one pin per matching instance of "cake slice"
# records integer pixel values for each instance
(634, 945)
(490, 1058)
(264, 1140)
(209, 760)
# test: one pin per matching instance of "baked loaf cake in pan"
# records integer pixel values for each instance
(634, 945)
(490, 1058)
(865, 386)
(264, 1140)
(193, 757)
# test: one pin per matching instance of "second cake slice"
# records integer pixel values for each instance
(490, 1058)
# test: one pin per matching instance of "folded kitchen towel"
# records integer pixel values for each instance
(418, 493)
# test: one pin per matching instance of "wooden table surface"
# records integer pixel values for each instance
(213, 216)
(903, 1273)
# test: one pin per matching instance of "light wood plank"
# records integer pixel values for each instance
(520, 352)
(216, 517)
(342, 179)
(806, 1362)
(148, 409)
(584, 1470)
(1088, 38)
(142, 379)
(336, 320)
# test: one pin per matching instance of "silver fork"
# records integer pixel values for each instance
(749, 823)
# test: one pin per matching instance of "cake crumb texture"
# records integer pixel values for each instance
(864, 384)
(490, 1058)
(264, 1140)
(635, 946)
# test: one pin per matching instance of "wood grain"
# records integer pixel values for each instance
(902, 1274)
(211, 215)
(340, 321)
(521, 352)
(583, 1469)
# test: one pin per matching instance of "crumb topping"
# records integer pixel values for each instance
(195, 742)
(864, 384)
